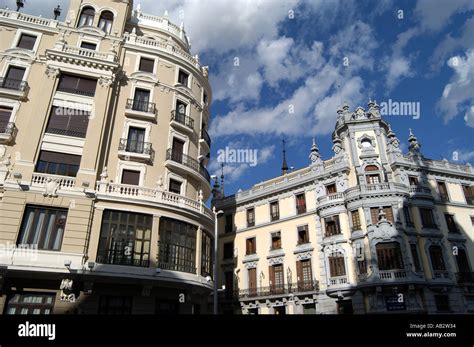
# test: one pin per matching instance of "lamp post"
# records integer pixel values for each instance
(57, 12)
(216, 215)
(19, 4)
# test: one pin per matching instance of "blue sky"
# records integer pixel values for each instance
(293, 54)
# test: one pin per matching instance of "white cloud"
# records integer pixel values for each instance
(457, 95)
(435, 16)
(469, 117)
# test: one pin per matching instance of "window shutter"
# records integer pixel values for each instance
(299, 271)
(374, 213)
(389, 214)
(271, 277)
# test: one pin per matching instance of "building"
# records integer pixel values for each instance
(370, 230)
(103, 155)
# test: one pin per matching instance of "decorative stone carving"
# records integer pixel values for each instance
(251, 265)
(104, 175)
(4, 169)
(275, 261)
(105, 82)
(51, 72)
(303, 256)
(66, 291)
(159, 183)
(314, 155)
(51, 188)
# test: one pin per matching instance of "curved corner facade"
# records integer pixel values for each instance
(103, 155)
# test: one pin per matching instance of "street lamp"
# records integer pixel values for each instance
(57, 12)
(216, 215)
(19, 4)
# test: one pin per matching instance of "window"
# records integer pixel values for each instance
(413, 180)
(86, 17)
(362, 267)
(442, 302)
(181, 107)
(463, 262)
(141, 100)
(89, 45)
(355, 216)
(27, 41)
(229, 284)
(427, 220)
(468, 194)
(332, 226)
(331, 189)
(131, 177)
(5, 114)
(204, 97)
(115, 305)
(183, 78)
(414, 255)
(250, 217)
(443, 192)
(452, 227)
(68, 122)
(252, 281)
(274, 211)
(276, 240)
(336, 265)
(206, 255)
(166, 307)
(125, 238)
(277, 283)
(30, 303)
(366, 143)
(407, 214)
(43, 227)
(77, 85)
(374, 213)
(58, 163)
(300, 203)
(372, 179)
(437, 260)
(105, 21)
(251, 246)
(389, 256)
(303, 235)
(304, 275)
(229, 223)
(135, 140)
(228, 250)
(14, 77)
(146, 65)
(175, 186)
(177, 245)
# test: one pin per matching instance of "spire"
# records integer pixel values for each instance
(284, 165)
(414, 145)
(314, 154)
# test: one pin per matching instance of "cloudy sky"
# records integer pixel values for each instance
(279, 70)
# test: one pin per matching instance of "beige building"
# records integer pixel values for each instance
(370, 230)
(103, 155)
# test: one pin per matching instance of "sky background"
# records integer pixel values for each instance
(293, 54)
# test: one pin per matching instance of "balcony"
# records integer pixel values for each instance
(13, 88)
(135, 150)
(279, 290)
(441, 275)
(146, 110)
(76, 91)
(420, 192)
(66, 132)
(392, 275)
(117, 257)
(465, 277)
(330, 200)
(378, 189)
(105, 61)
(181, 121)
(8, 132)
(205, 138)
(40, 180)
(338, 281)
(183, 162)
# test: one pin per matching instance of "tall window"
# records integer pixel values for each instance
(251, 246)
(146, 65)
(443, 192)
(14, 77)
(414, 255)
(229, 283)
(229, 223)
(276, 240)
(336, 265)
(300, 203)
(468, 194)
(58, 163)
(206, 255)
(30, 303)
(252, 281)
(452, 227)
(303, 235)
(77, 85)
(141, 100)
(5, 114)
(183, 78)
(407, 214)
(228, 250)
(115, 305)
(374, 213)
(125, 238)
(427, 219)
(105, 21)
(389, 256)
(437, 259)
(462, 261)
(136, 140)
(304, 274)
(276, 279)
(43, 227)
(413, 180)
(332, 225)
(355, 216)
(86, 17)
(68, 122)
(27, 41)
(331, 189)
(274, 211)
(250, 217)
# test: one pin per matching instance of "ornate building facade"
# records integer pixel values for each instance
(103, 155)
(370, 230)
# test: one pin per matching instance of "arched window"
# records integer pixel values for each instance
(389, 256)
(372, 178)
(87, 17)
(105, 21)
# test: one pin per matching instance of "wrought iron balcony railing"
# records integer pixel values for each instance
(291, 288)
(205, 136)
(8, 129)
(13, 84)
(141, 106)
(76, 91)
(134, 146)
(182, 119)
(187, 161)
(66, 132)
